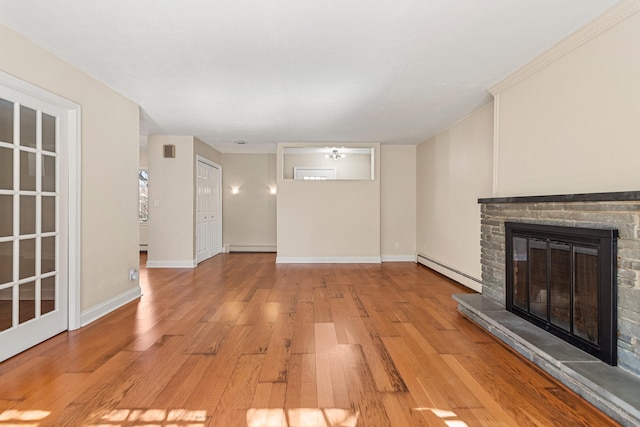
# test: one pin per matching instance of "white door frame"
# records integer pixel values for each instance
(73, 131)
(206, 161)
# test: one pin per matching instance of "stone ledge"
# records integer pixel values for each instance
(612, 390)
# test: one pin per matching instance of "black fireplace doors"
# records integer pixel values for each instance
(562, 279)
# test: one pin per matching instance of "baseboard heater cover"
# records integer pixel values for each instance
(450, 272)
(252, 248)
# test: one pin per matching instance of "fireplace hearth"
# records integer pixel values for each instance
(563, 279)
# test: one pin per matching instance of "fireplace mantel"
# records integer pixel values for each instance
(620, 196)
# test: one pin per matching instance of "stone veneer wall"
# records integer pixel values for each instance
(623, 215)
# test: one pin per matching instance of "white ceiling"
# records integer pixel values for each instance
(267, 71)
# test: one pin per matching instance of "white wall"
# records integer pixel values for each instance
(249, 217)
(570, 122)
(109, 240)
(171, 203)
(398, 202)
(322, 220)
(453, 171)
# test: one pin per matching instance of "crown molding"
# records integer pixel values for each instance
(612, 17)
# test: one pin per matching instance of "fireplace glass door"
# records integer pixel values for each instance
(563, 280)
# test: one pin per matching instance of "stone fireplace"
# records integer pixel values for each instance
(612, 389)
(620, 211)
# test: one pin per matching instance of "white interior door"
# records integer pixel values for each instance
(34, 233)
(208, 218)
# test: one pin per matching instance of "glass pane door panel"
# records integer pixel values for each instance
(520, 272)
(560, 286)
(6, 308)
(6, 168)
(538, 278)
(27, 305)
(48, 132)
(585, 313)
(27, 215)
(6, 215)
(48, 173)
(48, 214)
(48, 295)
(6, 121)
(48, 254)
(27, 127)
(27, 254)
(27, 171)
(6, 262)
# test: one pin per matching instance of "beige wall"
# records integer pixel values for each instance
(172, 198)
(208, 152)
(573, 126)
(454, 170)
(109, 241)
(249, 217)
(171, 202)
(398, 202)
(328, 219)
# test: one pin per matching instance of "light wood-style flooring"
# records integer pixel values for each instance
(241, 341)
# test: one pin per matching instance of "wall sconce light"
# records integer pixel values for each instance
(234, 190)
(273, 189)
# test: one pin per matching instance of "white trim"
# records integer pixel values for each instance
(75, 217)
(328, 260)
(74, 152)
(398, 258)
(172, 264)
(496, 145)
(612, 17)
(450, 273)
(102, 309)
(252, 248)
(213, 164)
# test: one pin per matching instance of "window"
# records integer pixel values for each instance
(143, 195)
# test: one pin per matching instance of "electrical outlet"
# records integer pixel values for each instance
(133, 274)
(397, 245)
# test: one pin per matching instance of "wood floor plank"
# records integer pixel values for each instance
(330, 375)
(302, 390)
(241, 341)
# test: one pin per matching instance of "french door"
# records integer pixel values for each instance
(34, 229)
(208, 211)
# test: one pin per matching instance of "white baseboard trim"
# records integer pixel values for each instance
(108, 306)
(398, 258)
(172, 264)
(252, 248)
(328, 260)
(458, 276)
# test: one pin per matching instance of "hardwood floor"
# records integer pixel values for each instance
(241, 341)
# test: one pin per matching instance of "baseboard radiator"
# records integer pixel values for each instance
(450, 272)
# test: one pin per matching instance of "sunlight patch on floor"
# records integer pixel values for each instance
(302, 417)
(22, 418)
(450, 418)
(153, 417)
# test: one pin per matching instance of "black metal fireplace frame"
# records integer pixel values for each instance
(606, 241)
